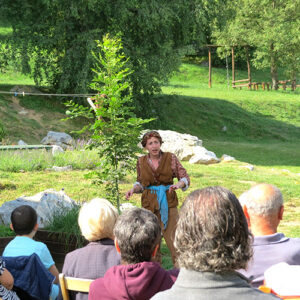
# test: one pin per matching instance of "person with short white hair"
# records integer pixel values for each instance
(96, 220)
(263, 208)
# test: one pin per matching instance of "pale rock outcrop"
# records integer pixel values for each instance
(203, 156)
(61, 139)
(46, 204)
(56, 150)
(186, 147)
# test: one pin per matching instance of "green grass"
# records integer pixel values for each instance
(36, 160)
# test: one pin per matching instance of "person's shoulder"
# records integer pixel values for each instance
(97, 286)
(294, 240)
(39, 245)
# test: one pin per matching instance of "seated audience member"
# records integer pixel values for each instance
(96, 220)
(263, 208)
(137, 237)
(212, 240)
(6, 284)
(24, 224)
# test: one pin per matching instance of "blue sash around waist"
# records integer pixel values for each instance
(160, 192)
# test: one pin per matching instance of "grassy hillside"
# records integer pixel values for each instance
(262, 127)
(30, 117)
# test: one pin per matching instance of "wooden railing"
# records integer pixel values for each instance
(26, 147)
(241, 83)
(284, 84)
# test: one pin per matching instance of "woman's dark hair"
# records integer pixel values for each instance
(23, 219)
(148, 135)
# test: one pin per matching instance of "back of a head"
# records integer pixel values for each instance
(262, 200)
(97, 219)
(137, 232)
(212, 233)
(23, 219)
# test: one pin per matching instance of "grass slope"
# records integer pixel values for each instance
(30, 117)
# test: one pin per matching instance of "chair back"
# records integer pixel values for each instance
(73, 284)
(268, 290)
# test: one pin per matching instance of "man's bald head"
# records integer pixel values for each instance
(262, 200)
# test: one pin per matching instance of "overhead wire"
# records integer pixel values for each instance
(23, 93)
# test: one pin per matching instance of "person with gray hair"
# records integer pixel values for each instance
(263, 207)
(212, 240)
(137, 238)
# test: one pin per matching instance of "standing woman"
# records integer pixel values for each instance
(155, 173)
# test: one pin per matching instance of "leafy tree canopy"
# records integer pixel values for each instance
(270, 27)
(57, 37)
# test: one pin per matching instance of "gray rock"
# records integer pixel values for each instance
(203, 156)
(125, 206)
(21, 143)
(249, 167)
(46, 204)
(23, 112)
(227, 158)
(61, 139)
(60, 169)
(56, 150)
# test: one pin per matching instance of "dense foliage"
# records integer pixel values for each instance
(56, 38)
(270, 27)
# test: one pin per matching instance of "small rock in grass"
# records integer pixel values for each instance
(249, 167)
(21, 143)
(56, 150)
(60, 169)
(227, 158)
(125, 206)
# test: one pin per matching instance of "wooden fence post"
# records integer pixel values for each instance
(233, 71)
(284, 85)
(209, 67)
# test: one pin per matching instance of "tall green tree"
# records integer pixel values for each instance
(115, 130)
(58, 36)
(270, 27)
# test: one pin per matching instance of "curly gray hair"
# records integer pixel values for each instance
(212, 233)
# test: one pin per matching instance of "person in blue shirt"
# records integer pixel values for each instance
(24, 223)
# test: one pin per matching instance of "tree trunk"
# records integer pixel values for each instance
(274, 74)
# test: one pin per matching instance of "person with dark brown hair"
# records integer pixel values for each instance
(155, 174)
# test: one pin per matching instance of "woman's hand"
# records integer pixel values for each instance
(178, 185)
(129, 193)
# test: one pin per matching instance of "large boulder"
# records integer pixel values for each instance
(46, 204)
(186, 147)
(203, 156)
(61, 139)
